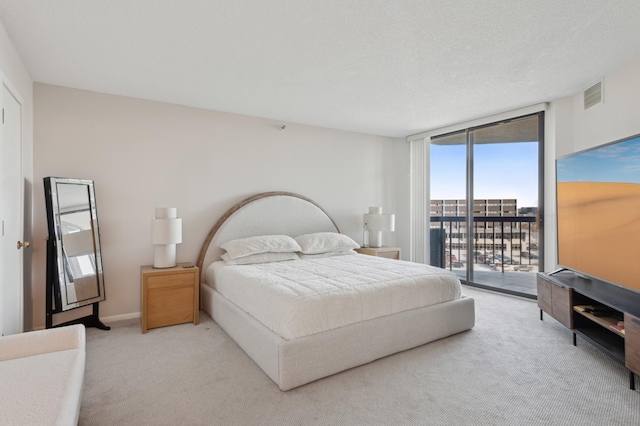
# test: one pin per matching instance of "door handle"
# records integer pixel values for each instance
(25, 244)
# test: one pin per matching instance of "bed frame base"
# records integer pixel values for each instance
(292, 363)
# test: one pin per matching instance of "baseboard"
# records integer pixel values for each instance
(112, 318)
(122, 317)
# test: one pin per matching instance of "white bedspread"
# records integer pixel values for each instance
(302, 297)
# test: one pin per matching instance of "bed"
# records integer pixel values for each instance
(338, 330)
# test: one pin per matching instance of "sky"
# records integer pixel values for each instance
(617, 162)
(501, 170)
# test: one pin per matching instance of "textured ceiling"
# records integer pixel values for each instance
(390, 68)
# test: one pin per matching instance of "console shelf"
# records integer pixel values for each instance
(591, 308)
(603, 321)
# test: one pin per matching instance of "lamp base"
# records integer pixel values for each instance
(164, 256)
(375, 239)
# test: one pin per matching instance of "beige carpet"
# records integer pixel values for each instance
(511, 369)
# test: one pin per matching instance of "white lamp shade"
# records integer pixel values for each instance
(374, 223)
(380, 222)
(166, 227)
(166, 231)
(166, 213)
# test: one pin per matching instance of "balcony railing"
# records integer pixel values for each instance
(502, 243)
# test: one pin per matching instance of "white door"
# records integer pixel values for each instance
(11, 225)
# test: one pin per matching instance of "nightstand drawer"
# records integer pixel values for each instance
(170, 280)
(388, 252)
(169, 306)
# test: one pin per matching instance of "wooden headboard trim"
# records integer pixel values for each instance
(238, 206)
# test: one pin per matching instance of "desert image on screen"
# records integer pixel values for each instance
(598, 193)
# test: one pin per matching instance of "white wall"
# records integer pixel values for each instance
(12, 68)
(570, 129)
(144, 154)
(617, 118)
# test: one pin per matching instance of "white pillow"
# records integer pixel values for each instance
(259, 258)
(263, 244)
(327, 254)
(323, 242)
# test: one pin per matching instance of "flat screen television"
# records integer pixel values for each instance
(598, 201)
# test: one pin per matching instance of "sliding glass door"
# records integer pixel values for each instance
(486, 194)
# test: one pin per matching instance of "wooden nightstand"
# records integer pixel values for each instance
(388, 252)
(169, 296)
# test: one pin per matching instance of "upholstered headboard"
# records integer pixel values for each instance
(268, 213)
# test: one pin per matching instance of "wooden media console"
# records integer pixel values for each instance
(592, 309)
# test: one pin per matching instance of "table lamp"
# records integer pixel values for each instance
(166, 232)
(375, 222)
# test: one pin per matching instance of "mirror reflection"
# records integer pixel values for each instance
(78, 279)
(78, 244)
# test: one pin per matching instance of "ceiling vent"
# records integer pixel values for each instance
(593, 95)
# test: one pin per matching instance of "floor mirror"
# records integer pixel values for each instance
(74, 260)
